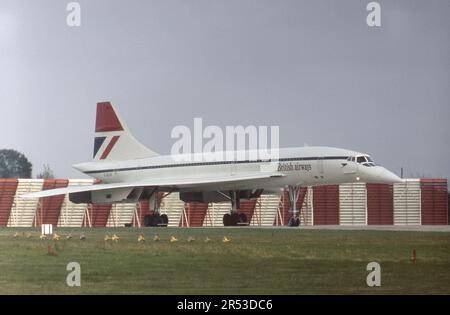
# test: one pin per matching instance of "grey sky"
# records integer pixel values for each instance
(312, 67)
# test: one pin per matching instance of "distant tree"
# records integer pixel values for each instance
(14, 164)
(46, 172)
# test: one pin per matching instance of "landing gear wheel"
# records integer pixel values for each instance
(242, 218)
(155, 220)
(165, 219)
(293, 221)
(148, 220)
(226, 219)
(297, 222)
(234, 219)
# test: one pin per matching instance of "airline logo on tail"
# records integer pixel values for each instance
(113, 140)
(106, 121)
(98, 143)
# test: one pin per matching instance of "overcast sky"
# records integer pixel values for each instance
(312, 67)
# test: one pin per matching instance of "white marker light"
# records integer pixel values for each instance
(357, 178)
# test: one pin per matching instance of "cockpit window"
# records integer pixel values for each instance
(361, 159)
(365, 160)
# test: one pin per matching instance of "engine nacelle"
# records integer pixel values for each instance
(80, 197)
(115, 195)
(214, 196)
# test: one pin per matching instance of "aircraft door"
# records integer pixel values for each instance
(320, 165)
(350, 166)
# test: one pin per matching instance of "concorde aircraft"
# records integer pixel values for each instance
(127, 171)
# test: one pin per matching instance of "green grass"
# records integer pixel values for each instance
(256, 261)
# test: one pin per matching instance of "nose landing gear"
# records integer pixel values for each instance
(294, 193)
(294, 221)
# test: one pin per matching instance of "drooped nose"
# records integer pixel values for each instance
(387, 177)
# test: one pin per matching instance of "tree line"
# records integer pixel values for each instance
(14, 164)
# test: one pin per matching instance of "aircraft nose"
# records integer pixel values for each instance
(387, 177)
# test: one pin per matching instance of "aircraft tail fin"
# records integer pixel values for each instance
(113, 141)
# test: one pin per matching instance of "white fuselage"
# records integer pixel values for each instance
(303, 166)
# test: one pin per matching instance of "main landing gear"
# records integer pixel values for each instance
(155, 219)
(293, 193)
(234, 218)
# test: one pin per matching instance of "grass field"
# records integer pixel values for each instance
(256, 261)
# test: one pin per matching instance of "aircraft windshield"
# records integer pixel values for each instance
(361, 159)
(365, 160)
